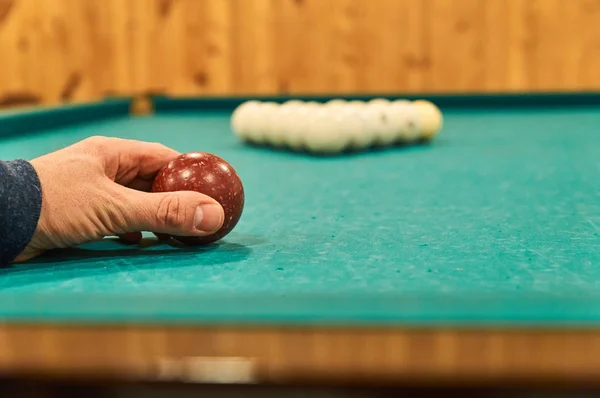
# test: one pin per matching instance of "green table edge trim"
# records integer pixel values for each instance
(444, 101)
(30, 120)
(42, 118)
(299, 310)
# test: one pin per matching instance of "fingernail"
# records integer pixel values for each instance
(208, 218)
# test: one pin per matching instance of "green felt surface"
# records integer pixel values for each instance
(498, 220)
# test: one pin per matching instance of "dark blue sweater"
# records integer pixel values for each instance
(20, 207)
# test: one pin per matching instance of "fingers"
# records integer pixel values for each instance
(128, 160)
(182, 213)
(136, 237)
(131, 237)
(133, 165)
(162, 237)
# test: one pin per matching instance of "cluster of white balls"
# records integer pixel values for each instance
(337, 125)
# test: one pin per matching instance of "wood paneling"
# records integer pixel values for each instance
(63, 50)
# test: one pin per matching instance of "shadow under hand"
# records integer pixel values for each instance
(112, 255)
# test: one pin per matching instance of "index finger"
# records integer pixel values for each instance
(125, 160)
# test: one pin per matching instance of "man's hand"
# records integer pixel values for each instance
(99, 187)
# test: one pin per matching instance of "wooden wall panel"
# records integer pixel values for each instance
(63, 50)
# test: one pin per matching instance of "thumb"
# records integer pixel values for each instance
(181, 213)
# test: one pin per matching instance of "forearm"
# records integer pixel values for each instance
(20, 207)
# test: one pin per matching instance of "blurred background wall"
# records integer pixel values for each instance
(53, 51)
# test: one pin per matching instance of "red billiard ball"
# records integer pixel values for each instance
(208, 174)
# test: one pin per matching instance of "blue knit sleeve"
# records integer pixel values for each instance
(20, 207)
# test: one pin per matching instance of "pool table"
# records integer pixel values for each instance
(474, 257)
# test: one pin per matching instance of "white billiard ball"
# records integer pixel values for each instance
(325, 132)
(365, 139)
(375, 126)
(279, 125)
(430, 119)
(404, 117)
(297, 126)
(293, 102)
(353, 126)
(358, 103)
(379, 101)
(379, 124)
(261, 126)
(252, 121)
(313, 104)
(242, 119)
(336, 103)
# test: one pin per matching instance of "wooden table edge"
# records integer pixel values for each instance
(288, 354)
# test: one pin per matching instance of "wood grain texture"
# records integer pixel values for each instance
(62, 50)
(302, 355)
